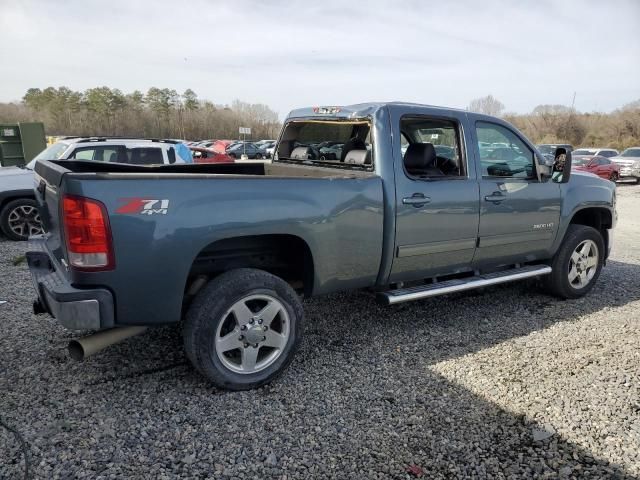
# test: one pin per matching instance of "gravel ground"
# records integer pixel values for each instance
(503, 383)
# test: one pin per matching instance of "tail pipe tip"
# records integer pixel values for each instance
(81, 348)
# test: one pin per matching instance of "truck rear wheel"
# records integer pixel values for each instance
(577, 264)
(243, 329)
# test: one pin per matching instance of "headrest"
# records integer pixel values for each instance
(420, 156)
(300, 153)
(358, 157)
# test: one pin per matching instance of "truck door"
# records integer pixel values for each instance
(519, 213)
(437, 199)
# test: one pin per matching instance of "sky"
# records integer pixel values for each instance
(290, 54)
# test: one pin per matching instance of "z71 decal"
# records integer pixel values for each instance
(143, 206)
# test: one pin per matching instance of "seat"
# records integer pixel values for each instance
(420, 160)
(301, 153)
(352, 144)
(113, 157)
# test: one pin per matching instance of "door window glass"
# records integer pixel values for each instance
(506, 156)
(84, 154)
(430, 148)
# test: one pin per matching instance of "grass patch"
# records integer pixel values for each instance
(20, 259)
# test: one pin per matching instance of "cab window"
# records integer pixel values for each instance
(506, 156)
(431, 148)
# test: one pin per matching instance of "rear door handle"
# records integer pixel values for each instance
(495, 197)
(417, 200)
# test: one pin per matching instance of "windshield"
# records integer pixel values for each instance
(631, 152)
(54, 152)
(339, 144)
(584, 151)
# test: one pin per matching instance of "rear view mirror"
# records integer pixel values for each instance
(561, 165)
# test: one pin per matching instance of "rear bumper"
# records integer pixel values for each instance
(74, 308)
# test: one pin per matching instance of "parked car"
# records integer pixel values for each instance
(248, 149)
(550, 148)
(220, 146)
(19, 217)
(629, 162)
(270, 150)
(207, 155)
(205, 143)
(264, 143)
(230, 255)
(600, 166)
(592, 152)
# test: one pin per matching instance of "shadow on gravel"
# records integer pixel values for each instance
(360, 400)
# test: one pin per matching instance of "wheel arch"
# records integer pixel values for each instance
(599, 217)
(7, 197)
(284, 255)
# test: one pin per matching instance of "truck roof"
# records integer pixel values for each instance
(358, 109)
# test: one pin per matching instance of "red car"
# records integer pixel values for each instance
(600, 166)
(220, 146)
(208, 155)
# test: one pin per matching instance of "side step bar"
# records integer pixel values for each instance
(459, 285)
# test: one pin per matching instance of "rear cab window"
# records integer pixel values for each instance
(344, 144)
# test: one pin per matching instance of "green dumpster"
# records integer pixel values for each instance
(20, 142)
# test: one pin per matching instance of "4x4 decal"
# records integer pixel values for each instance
(143, 206)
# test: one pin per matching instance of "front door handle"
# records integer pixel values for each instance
(495, 197)
(417, 200)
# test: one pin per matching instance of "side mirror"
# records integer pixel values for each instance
(562, 165)
(545, 166)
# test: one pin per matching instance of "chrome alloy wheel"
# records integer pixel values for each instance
(252, 334)
(583, 264)
(24, 221)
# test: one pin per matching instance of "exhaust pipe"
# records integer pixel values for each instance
(81, 348)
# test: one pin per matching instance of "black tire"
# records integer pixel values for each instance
(208, 310)
(232, 155)
(33, 222)
(557, 282)
(258, 156)
(613, 177)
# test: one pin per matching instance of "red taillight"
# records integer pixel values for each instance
(87, 233)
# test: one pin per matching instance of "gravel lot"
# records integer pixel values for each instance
(504, 383)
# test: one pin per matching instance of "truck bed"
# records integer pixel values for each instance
(279, 169)
(337, 214)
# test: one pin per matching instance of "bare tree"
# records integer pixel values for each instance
(488, 105)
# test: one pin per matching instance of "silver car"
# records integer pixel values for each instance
(19, 217)
(629, 162)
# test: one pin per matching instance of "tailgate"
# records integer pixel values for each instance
(47, 181)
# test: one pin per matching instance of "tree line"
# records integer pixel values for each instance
(158, 113)
(562, 124)
(165, 113)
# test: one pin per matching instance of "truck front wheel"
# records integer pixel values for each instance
(577, 264)
(243, 329)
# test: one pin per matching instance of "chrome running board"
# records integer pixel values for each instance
(459, 285)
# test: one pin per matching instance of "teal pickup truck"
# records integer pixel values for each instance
(409, 201)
